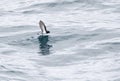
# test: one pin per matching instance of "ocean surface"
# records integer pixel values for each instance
(84, 43)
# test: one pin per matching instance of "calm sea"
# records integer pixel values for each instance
(84, 43)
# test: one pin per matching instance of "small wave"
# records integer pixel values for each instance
(31, 12)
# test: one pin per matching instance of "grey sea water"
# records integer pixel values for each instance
(84, 43)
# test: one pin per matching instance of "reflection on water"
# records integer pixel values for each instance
(44, 46)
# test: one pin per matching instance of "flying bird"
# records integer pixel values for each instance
(43, 27)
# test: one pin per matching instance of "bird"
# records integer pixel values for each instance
(43, 27)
